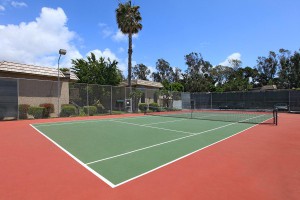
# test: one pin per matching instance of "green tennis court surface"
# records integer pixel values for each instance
(119, 150)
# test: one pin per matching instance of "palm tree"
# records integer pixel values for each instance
(128, 20)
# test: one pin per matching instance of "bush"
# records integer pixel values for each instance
(23, 110)
(90, 110)
(153, 107)
(36, 112)
(68, 110)
(49, 108)
(143, 107)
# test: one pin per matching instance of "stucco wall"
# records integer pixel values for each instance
(34, 93)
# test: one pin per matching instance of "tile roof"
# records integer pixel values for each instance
(138, 82)
(32, 69)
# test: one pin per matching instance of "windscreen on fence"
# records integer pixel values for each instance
(31, 98)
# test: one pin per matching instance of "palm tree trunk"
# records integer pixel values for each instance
(129, 58)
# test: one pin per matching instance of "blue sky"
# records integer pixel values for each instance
(33, 31)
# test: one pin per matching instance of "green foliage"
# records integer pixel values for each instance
(140, 71)
(164, 71)
(23, 111)
(49, 108)
(196, 64)
(90, 110)
(267, 67)
(63, 69)
(143, 107)
(153, 107)
(197, 77)
(68, 110)
(36, 112)
(93, 71)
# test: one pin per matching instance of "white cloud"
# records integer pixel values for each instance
(2, 8)
(234, 56)
(18, 4)
(105, 30)
(38, 42)
(121, 50)
(120, 37)
(107, 53)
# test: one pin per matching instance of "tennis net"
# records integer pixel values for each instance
(228, 115)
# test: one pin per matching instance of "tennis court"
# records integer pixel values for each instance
(120, 150)
(138, 156)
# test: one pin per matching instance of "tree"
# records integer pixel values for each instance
(93, 71)
(295, 71)
(177, 75)
(235, 64)
(197, 77)
(285, 68)
(267, 67)
(196, 64)
(141, 71)
(128, 19)
(164, 71)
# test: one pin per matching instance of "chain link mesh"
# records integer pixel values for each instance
(17, 95)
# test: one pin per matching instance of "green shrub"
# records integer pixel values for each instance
(36, 112)
(23, 110)
(153, 107)
(49, 108)
(143, 107)
(68, 110)
(90, 110)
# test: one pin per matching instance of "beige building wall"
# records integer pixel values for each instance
(35, 92)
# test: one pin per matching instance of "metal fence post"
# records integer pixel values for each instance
(87, 99)
(289, 100)
(18, 91)
(111, 99)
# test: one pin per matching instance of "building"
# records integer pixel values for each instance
(32, 85)
(142, 84)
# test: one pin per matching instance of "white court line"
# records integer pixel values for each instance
(164, 129)
(83, 121)
(116, 185)
(173, 161)
(155, 145)
(76, 159)
(166, 122)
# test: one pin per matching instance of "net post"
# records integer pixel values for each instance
(275, 117)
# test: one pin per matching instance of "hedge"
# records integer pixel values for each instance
(68, 110)
(143, 107)
(90, 110)
(36, 112)
(153, 107)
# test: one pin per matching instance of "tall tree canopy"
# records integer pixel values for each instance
(267, 67)
(93, 71)
(197, 77)
(164, 71)
(141, 71)
(129, 22)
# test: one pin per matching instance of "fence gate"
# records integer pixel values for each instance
(8, 98)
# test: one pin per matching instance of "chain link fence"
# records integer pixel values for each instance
(23, 98)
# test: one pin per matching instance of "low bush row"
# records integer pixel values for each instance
(38, 112)
(143, 107)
